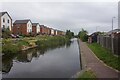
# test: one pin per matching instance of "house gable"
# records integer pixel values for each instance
(6, 20)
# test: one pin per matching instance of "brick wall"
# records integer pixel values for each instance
(21, 30)
(34, 30)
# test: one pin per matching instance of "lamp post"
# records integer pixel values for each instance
(97, 28)
(112, 23)
(112, 36)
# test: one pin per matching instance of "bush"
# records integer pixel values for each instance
(22, 42)
(10, 48)
(83, 35)
(6, 33)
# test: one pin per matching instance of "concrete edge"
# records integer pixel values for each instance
(83, 62)
(102, 61)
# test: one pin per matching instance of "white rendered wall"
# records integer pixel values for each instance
(6, 24)
(38, 28)
(29, 27)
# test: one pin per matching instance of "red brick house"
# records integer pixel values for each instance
(60, 33)
(23, 27)
(48, 30)
(35, 28)
(42, 29)
(55, 32)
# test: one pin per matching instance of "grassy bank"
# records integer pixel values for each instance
(87, 75)
(52, 41)
(105, 55)
(12, 46)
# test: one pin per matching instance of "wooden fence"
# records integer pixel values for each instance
(106, 41)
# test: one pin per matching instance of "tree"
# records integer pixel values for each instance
(69, 34)
(83, 35)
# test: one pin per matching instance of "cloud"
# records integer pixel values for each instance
(66, 15)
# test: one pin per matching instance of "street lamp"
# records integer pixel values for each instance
(112, 36)
(97, 28)
(112, 23)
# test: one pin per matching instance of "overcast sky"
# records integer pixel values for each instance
(66, 15)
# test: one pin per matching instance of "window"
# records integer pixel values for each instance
(30, 30)
(3, 19)
(8, 20)
(3, 26)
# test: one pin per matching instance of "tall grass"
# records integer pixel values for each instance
(52, 41)
(11, 47)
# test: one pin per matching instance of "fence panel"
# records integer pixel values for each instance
(106, 42)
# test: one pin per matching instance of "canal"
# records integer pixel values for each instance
(59, 62)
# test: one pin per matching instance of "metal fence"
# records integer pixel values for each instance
(108, 41)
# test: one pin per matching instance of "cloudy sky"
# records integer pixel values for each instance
(91, 16)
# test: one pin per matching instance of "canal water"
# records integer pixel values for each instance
(59, 62)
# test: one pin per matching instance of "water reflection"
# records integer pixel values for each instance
(26, 56)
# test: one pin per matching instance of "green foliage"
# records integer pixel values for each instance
(10, 48)
(83, 35)
(87, 75)
(69, 34)
(6, 33)
(13, 46)
(105, 55)
(52, 41)
(22, 42)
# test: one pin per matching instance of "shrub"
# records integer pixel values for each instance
(10, 48)
(22, 42)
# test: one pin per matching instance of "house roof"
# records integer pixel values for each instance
(35, 24)
(41, 25)
(22, 21)
(2, 13)
(115, 30)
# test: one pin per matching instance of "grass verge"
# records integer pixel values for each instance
(105, 55)
(87, 75)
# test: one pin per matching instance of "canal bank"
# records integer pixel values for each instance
(12, 46)
(90, 61)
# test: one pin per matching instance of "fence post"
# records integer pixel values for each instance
(112, 36)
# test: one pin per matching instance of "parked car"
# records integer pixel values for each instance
(17, 36)
(12, 35)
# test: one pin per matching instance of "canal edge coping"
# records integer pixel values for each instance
(82, 62)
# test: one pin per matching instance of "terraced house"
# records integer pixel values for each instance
(42, 29)
(22, 27)
(55, 32)
(52, 31)
(35, 28)
(5, 21)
